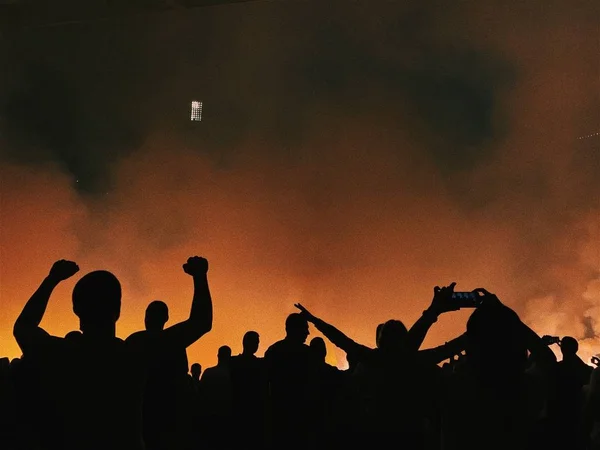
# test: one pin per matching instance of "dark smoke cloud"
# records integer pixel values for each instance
(88, 94)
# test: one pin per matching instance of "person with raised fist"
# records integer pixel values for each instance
(93, 380)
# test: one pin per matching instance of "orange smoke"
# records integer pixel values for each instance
(359, 228)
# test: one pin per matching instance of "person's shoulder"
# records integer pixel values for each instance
(136, 337)
(275, 347)
(210, 372)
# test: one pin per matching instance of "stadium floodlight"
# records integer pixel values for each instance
(196, 112)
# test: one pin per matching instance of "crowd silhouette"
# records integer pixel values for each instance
(497, 386)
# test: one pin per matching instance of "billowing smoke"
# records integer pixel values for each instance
(351, 161)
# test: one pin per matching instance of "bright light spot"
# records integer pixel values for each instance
(196, 113)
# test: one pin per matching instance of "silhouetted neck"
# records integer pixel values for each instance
(103, 331)
(293, 339)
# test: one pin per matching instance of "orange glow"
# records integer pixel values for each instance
(362, 252)
(359, 227)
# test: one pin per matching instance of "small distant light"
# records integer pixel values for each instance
(587, 136)
(196, 112)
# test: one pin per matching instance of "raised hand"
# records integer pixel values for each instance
(195, 266)
(488, 299)
(304, 311)
(442, 299)
(549, 340)
(63, 269)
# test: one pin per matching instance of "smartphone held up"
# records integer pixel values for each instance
(467, 299)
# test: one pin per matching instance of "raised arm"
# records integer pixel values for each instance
(441, 303)
(334, 335)
(26, 328)
(200, 320)
(535, 344)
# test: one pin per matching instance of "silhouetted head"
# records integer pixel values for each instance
(15, 361)
(157, 314)
(224, 354)
(196, 371)
(97, 300)
(318, 347)
(296, 328)
(250, 342)
(378, 334)
(393, 336)
(495, 346)
(569, 347)
(73, 334)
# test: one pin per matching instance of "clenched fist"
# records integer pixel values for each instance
(63, 269)
(196, 265)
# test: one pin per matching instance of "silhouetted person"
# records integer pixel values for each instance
(291, 372)
(572, 363)
(250, 391)
(393, 374)
(571, 375)
(195, 372)
(167, 396)
(217, 400)
(326, 393)
(488, 404)
(94, 380)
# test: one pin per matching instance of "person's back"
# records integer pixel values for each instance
(248, 376)
(488, 404)
(216, 386)
(249, 383)
(571, 375)
(96, 387)
(478, 416)
(167, 385)
(249, 380)
(291, 373)
(93, 380)
(216, 400)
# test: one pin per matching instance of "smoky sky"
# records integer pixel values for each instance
(349, 152)
(84, 95)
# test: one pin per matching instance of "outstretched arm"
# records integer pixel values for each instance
(26, 328)
(200, 320)
(438, 354)
(336, 337)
